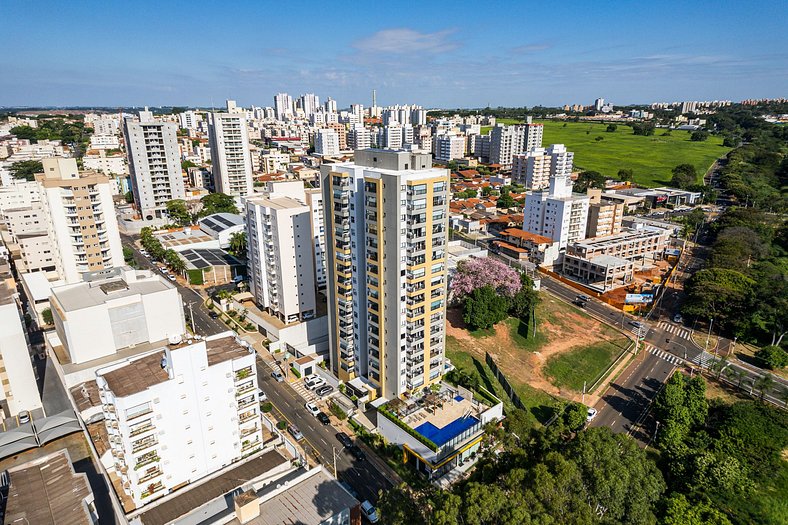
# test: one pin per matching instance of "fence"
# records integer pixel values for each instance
(507, 387)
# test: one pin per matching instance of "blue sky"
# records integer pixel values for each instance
(434, 53)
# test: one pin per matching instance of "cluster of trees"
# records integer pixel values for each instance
(185, 214)
(158, 253)
(26, 169)
(645, 129)
(744, 286)
(721, 459)
(238, 245)
(72, 131)
(490, 291)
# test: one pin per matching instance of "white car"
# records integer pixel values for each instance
(312, 409)
(592, 412)
(313, 381)
(261, 395)
(369, 511)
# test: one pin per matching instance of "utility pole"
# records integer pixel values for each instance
(191, 316)
(708, 336)
(584, 393)
(334, 456)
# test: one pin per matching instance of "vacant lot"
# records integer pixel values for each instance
(568, 348)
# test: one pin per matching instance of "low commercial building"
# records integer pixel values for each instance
(113, 310)
(47, 491)
(438, 432)
(660, 197)
(602, 272)
(180, 413)
(211, 266)
(538, 249)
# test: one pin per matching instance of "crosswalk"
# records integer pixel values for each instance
(704, 359)
(670, 358)
(301, 390)
(674, 329)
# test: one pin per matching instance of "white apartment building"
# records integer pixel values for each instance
(81, 221)
(27, 237)
(189, 119)
(113, 311)
(231, 160)
(19, 193)
(103, 124)
(358, 111)
(18, 388)
(314, 199)
(280, 252)
(154, 164)
(386, 221)
(327, 142)
(283, 106)
(534, 168)
(448, 147)
(310, 103)
(556, 212)
(359, 137)
(330, 105)
(179, 414)
(390, 137)
(108, 165)
(274, 161)
(507, 141)
(104, 142)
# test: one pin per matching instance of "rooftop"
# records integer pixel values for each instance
(625, 235)
(442, 417)
(47, 491)
(201, 258)
(136, 376)
(278, 203)
(87, 294)
(527, 236)
(218, 222)
(314, 500)
(224, 349)
(183, 237)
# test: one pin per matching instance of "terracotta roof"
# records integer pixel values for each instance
(511, 247)
(528, 236)
(468, 173)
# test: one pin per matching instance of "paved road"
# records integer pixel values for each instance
(321, 442)
(192, 300)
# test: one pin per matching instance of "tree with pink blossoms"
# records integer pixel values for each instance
(478, 272)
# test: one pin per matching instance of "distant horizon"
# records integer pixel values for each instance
(507, 54)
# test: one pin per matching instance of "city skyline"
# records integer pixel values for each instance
(137, 55)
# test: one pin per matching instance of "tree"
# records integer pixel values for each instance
(719, 293)
(684, 175)
(477, 272)
(772, 357)
(525, 300)
(178, 212)
(575, 415)
(186, 164)
(397, 506)
(26, 169)
(680, 406)
(589, 179)
(173, 260)
(238, 244)
(46, 315)
(626, 175)
(505, 200)
(217, 203)
(484, 307)
(128, 255)
(731, 141)
(128, 197)
(645, 129)
(681, 511)
(486, 190)
(699, 136)
(611, 128)
(764, 384)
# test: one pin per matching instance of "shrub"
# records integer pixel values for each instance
(772, 357)
(267, 407)
(281, 425)
(337, 411)
(295, 372)
(46, 315)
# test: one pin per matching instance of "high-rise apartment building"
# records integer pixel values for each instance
(331, 105)
(386, 234)
(179, 414)
(231, 160)
(604, 216)
(309, 103)
(283, 106)
(359, 137)
(556, 213)
(154, 164)
(314, 199)
(81, 222)
(507, 141)
(534, 168)
(279, 231)
(448, 147)
(327, 142)
(358, 111)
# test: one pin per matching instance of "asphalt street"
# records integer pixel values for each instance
(320, 440)
(193, 302)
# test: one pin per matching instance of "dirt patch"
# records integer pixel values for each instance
(560, 328)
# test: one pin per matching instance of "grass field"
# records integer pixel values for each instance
(651, 159)
(584, 365)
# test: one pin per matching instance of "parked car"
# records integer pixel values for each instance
(314, 382)
(323, 418)
(349, 489)
(369, 512)
(344, 439)
(171, 277)
(357, 453)
(24, 417)
(592, 412)
(293, 431)
(278, 376)
(312, 409)
(261, 395)
(678, 319)
(324, 390)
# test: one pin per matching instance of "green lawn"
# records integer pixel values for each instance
(650, 158)
(583, 364)
(521, 335)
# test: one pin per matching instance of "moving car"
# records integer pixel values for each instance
(369, 512)
(582, 297)
(678, 319)
(213, 315)
(323, 418)
(637, 324)
(276, 374)
(324, 390)
(580, 303)
(312, 409)
(592, 412)
(344, 439)
(293, 431)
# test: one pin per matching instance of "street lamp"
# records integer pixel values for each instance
(708, 336)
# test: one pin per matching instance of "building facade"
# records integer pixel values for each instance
(534, 168)
(327, 142)
(386, 221)
(556, 212)
(231, 160)
(177, 415)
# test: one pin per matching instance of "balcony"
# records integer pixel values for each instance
(143, 444)
(151, 474)
(243, 373)
(137, 431)
(147, 459)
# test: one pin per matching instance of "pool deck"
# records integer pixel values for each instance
(451, 411)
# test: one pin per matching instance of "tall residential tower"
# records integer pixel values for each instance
(386, 222)
(231, 161)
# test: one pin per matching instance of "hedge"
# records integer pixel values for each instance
(295, 372)
(401, 424)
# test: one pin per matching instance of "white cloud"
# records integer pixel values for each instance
(407, 41)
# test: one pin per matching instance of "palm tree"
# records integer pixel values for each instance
(238, 244)
(735, 375)
(764, 384)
